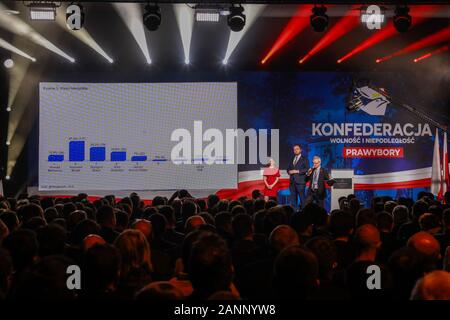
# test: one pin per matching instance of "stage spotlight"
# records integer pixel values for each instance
(152, 17)
(8, 109)
(43, 11)
(319, 19)
(186, 61)
(8, 143)
(9, 63)
(236, 18)
(402, 19)
(7, 177)
(224, 61)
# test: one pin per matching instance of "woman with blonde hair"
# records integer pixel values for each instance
(136, 266)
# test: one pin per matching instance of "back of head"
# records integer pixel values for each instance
(433, 286)
(281, 237)
(405, 267)
(134, 250)
(101, 268)
(159, 291)
(29, 211)
(389, 206)
(91, 240)
(193, 223)
(427, 247)
(82, 230)
(318, 214)
(366, 216)
(51, 239)
(144, 226)
(212, 201)
(418, 209)
(50, 214)
(10, 219)
(430, 223)
(74, 218)
(188, 209)
(210, 268)
(106, 217)
(446, 218)
(367, 237)
(158, 201)
(400, 214)
(242, 226)
(159, 224)
(223, 222)
(169, 214)
(238, 209)
(275, 216)
(6, 271)
(46, 280)
(23, 247)
(296, 273)
(341, 223)
(385, 221)
(326, 253)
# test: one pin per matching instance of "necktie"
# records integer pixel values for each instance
(316, 179)
(295, 160)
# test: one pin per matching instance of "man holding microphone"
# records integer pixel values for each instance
(317, 176)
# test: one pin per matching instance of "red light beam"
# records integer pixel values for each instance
(342, 27)
(431, 40)
(295, 25)
(432, 53)
(389, 30)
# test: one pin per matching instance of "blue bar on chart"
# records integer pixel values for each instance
(55, 157)
(118, 156)
(139, 158)
(159, 160)
(76, 151)
(97, 153)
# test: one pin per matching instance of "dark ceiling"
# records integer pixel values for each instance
(209, 42)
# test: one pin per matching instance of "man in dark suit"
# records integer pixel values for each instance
(297, 169)
(318, 177)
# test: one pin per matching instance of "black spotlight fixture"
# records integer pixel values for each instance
(152, 17)
(236, 18)
(402, 19)
(319, 19)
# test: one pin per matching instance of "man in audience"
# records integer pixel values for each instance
(444, 236)
(107, 221)
(433, 286)
(210, 267)
(410, 228)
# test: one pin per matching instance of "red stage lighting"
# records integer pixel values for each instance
(432, 53)
(295, 25)
(431, 40)
(342, 27)
(389, 30)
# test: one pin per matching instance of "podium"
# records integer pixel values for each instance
(343, 185)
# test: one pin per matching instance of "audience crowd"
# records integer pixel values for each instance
(199, 249)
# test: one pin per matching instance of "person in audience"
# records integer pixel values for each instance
(410, 228)
(341, 228)
(295, 274)
(136, 265)
(430, 223)
(444, 237)
(210, 266)
(211, 248)
(433, 286)
(106, 218)
(428, 249)
(101, 270)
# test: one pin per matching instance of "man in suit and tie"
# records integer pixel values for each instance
(317, 177)
(297, 169)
